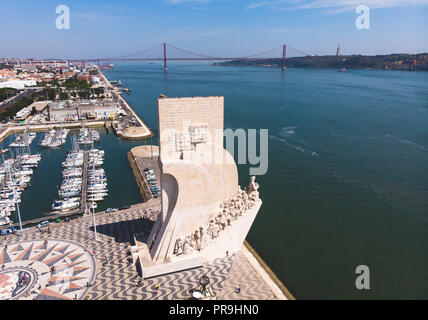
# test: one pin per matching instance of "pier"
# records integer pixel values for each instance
(83, 202)
(140, 132)
(140, 158)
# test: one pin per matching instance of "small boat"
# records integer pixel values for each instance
(342, 70)
(66, 205)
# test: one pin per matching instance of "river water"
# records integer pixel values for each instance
(347, 183)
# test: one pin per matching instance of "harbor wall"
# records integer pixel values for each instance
(139, 177)
(277, 287)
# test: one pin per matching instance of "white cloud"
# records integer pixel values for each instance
(255, 5)
(203, 33)
(352, 4)
(183, 1)
(334, 6)
(93, 18)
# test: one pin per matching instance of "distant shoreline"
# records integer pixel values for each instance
(396, 62)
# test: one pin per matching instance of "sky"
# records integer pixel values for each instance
(231, 28)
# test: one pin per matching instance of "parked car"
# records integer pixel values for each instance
(111, 210)
(43, 224)
(124, 207)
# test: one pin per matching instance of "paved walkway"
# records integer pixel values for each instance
(106, 262)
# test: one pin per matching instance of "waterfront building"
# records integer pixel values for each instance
(18, 84)
(84, 110)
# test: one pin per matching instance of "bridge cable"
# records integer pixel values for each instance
(133, 54)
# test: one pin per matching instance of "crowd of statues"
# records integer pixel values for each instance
(229, 211)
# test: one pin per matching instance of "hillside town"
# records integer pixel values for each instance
(52, 92)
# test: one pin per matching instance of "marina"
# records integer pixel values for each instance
(15, 176)
(47, 180)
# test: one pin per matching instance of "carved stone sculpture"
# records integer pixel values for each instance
(229, 211)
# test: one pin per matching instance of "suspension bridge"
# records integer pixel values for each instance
(193, 56)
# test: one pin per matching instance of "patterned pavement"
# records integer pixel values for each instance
(241, 276)
(43, 270)
(109, 271)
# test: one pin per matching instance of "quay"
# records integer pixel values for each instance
(140, 158)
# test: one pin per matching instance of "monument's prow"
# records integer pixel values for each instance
(205, 214)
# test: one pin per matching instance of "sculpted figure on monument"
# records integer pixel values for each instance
(222, 221)
(178, 249)
(252, 189)
(229, 211)
(188, 245)
(203, 238)
(196, 239)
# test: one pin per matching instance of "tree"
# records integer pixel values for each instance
(64, 95)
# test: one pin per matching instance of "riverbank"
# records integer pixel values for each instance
(401, 62)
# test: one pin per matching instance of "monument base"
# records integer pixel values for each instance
(228, 242)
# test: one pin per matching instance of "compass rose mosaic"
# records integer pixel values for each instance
(45, 270)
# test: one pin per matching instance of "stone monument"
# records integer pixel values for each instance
(205, 213)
